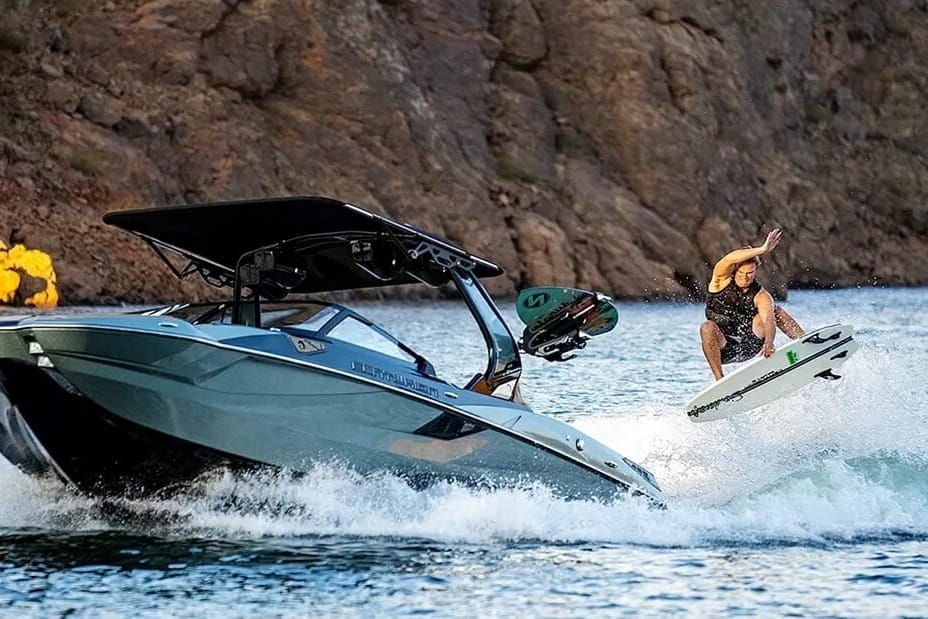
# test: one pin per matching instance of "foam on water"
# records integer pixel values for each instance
(841, 460)
(29, 502)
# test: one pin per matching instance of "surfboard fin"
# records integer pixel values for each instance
(817, 339)
(827, 375)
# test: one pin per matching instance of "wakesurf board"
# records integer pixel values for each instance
(764, 379)
(560, 320)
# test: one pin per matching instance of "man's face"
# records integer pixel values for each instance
(744, 275)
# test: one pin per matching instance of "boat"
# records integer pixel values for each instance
(279, 375)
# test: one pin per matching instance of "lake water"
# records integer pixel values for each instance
(816, 505)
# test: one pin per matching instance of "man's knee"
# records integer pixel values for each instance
(786, 323)
(710, 330)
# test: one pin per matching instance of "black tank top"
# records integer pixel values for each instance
(731, 308)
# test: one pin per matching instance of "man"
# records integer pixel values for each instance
(742, 318)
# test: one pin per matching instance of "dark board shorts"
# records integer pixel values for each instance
(741, 346)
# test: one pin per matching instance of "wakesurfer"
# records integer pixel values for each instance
(741, 317)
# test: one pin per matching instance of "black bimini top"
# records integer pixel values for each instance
(297, 244)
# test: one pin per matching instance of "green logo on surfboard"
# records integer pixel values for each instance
(792, 357)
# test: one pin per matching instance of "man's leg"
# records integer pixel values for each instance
(787, 324)
(713, 341)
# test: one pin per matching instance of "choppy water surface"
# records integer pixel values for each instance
(814, 505)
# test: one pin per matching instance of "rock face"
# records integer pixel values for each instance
(622, 145)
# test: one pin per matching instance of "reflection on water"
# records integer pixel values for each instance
(118, 550)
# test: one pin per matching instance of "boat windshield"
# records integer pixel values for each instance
(354, 331)
(320, 318)
(341, 323)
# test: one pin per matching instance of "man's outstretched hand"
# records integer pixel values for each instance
(773, 239)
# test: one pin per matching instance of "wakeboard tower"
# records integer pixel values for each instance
(561, 320)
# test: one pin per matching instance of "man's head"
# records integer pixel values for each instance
(746, 272)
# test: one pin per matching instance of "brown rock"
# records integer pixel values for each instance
(63, 95)
(101, 110)
(517, 24)
(544, 249)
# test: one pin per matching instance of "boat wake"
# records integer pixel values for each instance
(847, 462)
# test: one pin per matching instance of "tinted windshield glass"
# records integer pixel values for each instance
(318, 320)
(354, 331)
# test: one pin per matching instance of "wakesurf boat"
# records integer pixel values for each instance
(135, 404)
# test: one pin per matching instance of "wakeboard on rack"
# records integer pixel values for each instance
(764, 379)
(561, 320)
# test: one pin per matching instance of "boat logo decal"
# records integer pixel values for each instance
(792, 357)
(395, 378)
(306, 345)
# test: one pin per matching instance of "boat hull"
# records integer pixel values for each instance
(137, 411)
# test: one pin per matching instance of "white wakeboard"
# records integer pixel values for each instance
(764, 379)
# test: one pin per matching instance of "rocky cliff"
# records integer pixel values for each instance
(621, 145)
